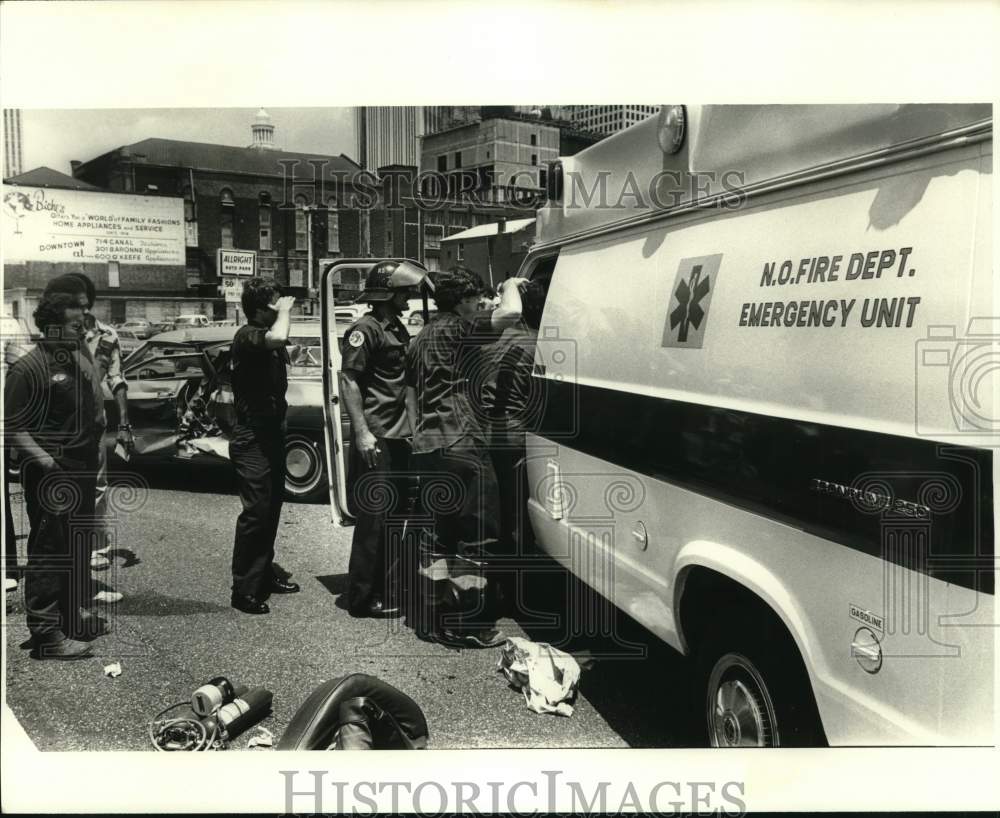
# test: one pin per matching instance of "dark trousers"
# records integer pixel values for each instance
(60, 507)
(515, 528)
(377, 497)
(458, 490)
(258, 454)
(10, 535)
(515, 531)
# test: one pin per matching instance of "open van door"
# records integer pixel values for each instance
(341, 280)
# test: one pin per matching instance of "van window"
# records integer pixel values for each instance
(542, 270)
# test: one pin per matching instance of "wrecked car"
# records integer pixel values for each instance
(181, 402)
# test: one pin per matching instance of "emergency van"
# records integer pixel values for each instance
(769, 368)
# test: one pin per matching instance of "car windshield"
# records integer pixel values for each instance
(155, 350)
(305, 356)
(169, 368)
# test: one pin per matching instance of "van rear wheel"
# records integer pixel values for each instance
(739, 708)
(756, 692)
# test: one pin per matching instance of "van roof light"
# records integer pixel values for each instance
(672, 128)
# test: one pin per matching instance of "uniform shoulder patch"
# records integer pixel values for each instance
(356, 338)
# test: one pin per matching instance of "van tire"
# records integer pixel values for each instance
(305, 471)
(752, 689)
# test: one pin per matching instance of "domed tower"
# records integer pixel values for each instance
(263, 131)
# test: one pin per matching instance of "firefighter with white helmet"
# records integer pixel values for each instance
(372, 385)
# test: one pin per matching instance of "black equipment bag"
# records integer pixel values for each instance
(356, 712)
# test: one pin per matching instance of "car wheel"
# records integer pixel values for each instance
(756, 691)
(305, 475)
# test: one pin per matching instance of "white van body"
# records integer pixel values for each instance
(831, 457)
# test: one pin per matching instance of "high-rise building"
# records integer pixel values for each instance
(387, 135)
(503, 155)
(11, 142)
(608, 119)
(390, 134)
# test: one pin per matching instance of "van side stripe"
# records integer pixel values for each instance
(914, 502)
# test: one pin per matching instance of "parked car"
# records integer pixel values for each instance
(166, 371)
(140, 326)
(191, 320)
(163, 326)
(128, 341)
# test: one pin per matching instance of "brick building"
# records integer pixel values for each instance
(294, 210)
(289, 208)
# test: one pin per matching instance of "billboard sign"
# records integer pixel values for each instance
(45, 224)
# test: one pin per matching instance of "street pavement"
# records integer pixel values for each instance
(175, 630)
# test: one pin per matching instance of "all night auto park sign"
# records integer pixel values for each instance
(234, 267)
(45, 224)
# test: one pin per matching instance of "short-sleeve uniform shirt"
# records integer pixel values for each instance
(51, 396)
(375, 353)
(446, 369)
(260, 377)
(512, 400)
(106, 350)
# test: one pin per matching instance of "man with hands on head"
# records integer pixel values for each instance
(257, 448)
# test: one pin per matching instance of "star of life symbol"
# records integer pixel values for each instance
(688, 310)
(690, 298)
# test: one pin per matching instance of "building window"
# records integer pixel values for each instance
(388, 243)
(264, 217)
(534, 159)
(458, 159)
(460, 255)
(113, 274)
(433, 233)
(332, 226)
(543, 178)
(442, 164)
(227, 219)
(301, 223)
(534, 139)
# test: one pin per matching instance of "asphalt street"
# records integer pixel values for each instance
(174, 630)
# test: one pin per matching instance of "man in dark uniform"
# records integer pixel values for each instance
(513, 405)
(450, 453)
(374, 360)
(52, 419)
(257, 447)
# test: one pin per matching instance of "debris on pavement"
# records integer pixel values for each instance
(546, 676)
(113, 670)
(262, 738)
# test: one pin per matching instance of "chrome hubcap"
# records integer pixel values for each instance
(299, 463)
(740, 711)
